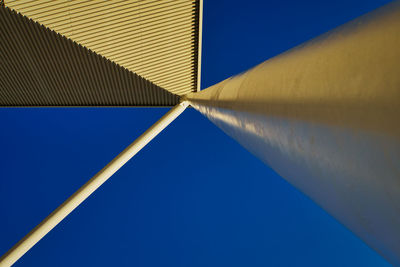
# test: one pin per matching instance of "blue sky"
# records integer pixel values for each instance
(193, 196)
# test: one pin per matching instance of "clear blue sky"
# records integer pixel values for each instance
(193, 196)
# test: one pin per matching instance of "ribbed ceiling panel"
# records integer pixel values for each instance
(39, 67)
(158, 40)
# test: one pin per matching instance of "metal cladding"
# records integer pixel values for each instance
(39, 67)
(325, 115)
(158, 40)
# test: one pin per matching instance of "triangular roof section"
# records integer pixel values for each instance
(156, 41)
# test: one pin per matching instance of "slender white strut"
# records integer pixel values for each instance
(18, 250)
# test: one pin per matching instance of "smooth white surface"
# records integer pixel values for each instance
(325, 116)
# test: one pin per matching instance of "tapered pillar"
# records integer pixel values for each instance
(326, 116)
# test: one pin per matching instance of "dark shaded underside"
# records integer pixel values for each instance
(39, 67)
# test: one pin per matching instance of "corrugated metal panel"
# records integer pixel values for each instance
(159, 40)
(39, 67)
